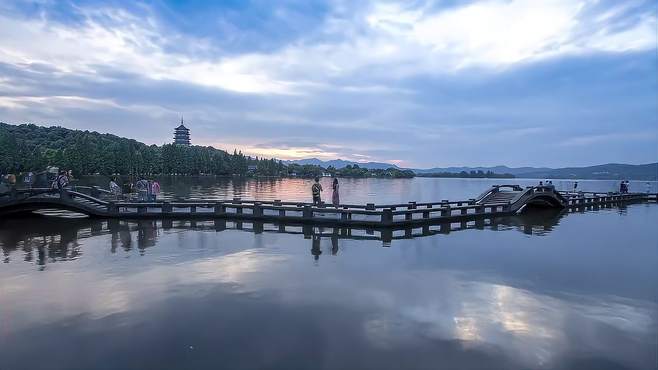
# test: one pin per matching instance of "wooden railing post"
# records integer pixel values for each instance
(219, 209)
(112, 208)
(258, 209)
(166, 207)
(141, 209)
(387, 217)
(344, 215)
(307, 212)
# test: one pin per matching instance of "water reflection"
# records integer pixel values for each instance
(539, 291)
(43, 239)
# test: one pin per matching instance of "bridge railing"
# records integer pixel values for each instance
(370, 213)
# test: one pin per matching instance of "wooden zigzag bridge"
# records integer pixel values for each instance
(497, 201)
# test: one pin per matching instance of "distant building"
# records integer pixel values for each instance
(181, 134)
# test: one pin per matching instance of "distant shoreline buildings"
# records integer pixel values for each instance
(182, 134)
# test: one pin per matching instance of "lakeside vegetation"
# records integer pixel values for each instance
(34, 148)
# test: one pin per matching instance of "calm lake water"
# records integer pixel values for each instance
(547, 290)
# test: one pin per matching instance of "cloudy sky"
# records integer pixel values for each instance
(417, 83)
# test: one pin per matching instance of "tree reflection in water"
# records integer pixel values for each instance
(51, 239)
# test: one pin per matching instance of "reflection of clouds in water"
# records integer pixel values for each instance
(529, 326)
(397, 306)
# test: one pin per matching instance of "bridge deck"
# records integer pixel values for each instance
(498, 201)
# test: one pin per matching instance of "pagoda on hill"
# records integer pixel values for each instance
(181, 134)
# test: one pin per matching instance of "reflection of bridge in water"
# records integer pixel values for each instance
(44, 239)
(498, 201)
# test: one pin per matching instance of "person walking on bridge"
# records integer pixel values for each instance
(316, 189)
(335, 196)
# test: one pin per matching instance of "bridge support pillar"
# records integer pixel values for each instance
(387, 237)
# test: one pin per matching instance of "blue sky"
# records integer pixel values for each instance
(417, 83)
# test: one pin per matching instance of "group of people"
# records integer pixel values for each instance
(623, 187)
(62, 180)
(548, 184)
(147, 189)
(316, 190)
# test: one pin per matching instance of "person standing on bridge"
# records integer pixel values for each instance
(316, 189)
(61, 181)
(142, 190)
(155, 190)
(115, 189)
(623, 187)
(335, 196)
(575, 186)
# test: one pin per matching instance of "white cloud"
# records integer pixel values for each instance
(403, 41)
(403, 76)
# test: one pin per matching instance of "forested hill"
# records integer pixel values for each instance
(33, 148)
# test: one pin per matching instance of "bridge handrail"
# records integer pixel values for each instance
(99, 189)
(88, 197)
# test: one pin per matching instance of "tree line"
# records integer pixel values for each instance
(33, 148)
(29, 147)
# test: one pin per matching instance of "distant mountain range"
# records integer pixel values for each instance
(610, 171)
(339, 163)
